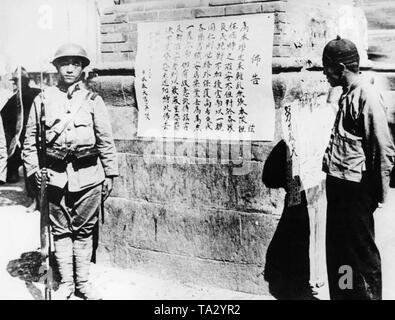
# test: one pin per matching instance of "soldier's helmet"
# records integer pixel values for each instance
(71, 50)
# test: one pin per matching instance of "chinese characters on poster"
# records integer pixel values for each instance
(206, 78)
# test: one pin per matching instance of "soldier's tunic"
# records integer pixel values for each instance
(74, 190)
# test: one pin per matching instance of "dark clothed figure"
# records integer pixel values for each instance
(350, 241)
(287, 268)
(14, 117)
(358, 162)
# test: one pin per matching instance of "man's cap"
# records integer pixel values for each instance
(71, 50)
(23, 73)
(340, 51)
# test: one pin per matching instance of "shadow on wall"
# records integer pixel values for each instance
(287, 268)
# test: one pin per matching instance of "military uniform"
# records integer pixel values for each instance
(75, 186)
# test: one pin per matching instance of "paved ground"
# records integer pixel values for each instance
(20, 268)
(385, 238)
(21, 272)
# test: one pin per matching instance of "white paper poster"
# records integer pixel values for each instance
(207, 78)
(307, 124)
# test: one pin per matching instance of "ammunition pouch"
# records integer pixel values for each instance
(59, 158)
(87, 154)
(54, 155)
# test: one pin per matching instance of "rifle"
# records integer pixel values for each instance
(46, 246)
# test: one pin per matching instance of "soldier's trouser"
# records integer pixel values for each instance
(73, 217)
(353, 259)
(74, 213)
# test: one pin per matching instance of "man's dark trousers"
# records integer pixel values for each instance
(350, 244)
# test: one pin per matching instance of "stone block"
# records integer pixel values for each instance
(107, 28)
(107, 47)
(177, 14)
(222, 274)
(271, 6)
(136, 1)
(125, 27)
(128, 7)
(264, 2)
(283, 51)
(191, 3)
(243, 9)
(299, 85)
(190, 148)
(205, 233)
(224, 2)
(185, 181)
(382, 45)
(380, 15)
(143, 16)
(114, 18)
(208, 12)
(126, 47)
(159, 5)
(115, 56)
(117, 91)
(113, 37)
(123, 122)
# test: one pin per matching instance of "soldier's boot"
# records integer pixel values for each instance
(64, 259)
(82, 254)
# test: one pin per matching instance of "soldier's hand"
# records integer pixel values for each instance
(38, 179)
(107, 187)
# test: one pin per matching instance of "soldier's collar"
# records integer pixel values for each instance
(71, 89)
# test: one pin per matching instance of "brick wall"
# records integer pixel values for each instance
(293, 36)
(200, 222)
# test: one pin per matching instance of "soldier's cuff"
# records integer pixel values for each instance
(112, 175)
(30, 172)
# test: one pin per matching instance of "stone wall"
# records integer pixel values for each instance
(381, 25)
(200, 222)
(381, 51)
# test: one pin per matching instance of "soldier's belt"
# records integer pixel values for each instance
(67, 156)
